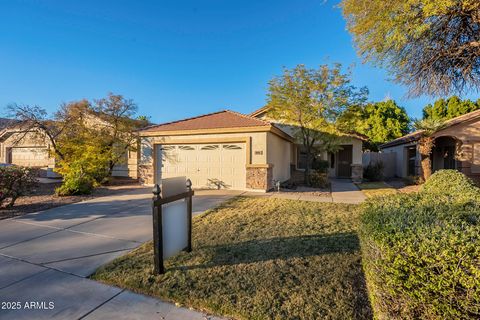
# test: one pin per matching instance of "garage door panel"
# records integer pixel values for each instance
(206, 164)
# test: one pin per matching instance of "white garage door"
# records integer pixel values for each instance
(29, 157)
(213, 165)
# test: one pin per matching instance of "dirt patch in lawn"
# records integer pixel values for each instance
(43, 198)
(260, 258)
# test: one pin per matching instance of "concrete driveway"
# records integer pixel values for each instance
(45, 258)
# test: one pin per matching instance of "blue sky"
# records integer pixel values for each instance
(175, 59)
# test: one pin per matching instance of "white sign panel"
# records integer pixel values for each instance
(174, 217)
(175, 228)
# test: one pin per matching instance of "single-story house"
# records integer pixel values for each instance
(26, 147)
(228, 149)
(457, 146)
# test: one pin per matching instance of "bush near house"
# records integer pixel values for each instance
(421, 251)
(15, 182)
(374, 171)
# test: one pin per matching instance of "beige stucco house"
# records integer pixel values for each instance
(228, 149)
(29, 148)
(457, 146)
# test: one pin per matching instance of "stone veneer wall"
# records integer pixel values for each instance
(145, 173)
(357, 172)
(260, 178)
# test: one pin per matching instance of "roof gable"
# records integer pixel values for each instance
(216, 120)
(411, 137)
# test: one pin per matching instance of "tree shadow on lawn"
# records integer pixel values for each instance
(278, 248)
(333, 259)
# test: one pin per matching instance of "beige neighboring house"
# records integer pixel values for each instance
(457, 146)
(30, 148)
(231, 150)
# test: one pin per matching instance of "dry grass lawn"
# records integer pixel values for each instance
(375, 189)
(258, 258)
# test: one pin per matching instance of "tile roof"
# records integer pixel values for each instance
(216, 120)
(4, 122)
(416, 134)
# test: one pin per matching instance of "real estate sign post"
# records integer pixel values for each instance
(172, 219)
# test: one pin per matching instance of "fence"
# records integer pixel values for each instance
(388, 160)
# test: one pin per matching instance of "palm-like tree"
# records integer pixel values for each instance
(426, 143)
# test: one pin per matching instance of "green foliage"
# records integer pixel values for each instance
(380, 122)
(320, 165)
(310, 101)
(422, 251)
(429, 45)
(373, 171)
(88, 169)
(450, 183)
(15, 182)
(318, 179)
(450, 108)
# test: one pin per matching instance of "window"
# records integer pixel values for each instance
(210, 147)
(231, 147)
(166, 148)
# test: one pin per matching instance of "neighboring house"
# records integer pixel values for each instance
(228, 149)
(29, 148)
(23, 148)
(457, 146)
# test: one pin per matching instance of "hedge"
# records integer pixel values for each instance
(421, 251)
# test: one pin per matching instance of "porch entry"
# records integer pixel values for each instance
(344, 163)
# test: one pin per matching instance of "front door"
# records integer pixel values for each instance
(344, 163)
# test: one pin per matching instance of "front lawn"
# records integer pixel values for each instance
(375, 189)
(260, 258)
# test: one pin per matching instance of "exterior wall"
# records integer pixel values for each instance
(467, 135)
(256, 154)
(401, 158)
(387, 158)
(279, 155)
(357, 166)
(29, 140)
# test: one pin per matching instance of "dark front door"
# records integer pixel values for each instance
(344, 163)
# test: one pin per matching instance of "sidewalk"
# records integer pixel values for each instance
(46, 257)
(342, 191)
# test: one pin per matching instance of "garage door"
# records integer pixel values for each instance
(29, 157)
(213, 165)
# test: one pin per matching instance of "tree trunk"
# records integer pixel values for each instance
(426, 166)
(425, 147)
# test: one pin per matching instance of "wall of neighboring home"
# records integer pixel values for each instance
(401, 158)
(468, 147)
(258, 171)
(26, 149)
(279, 154)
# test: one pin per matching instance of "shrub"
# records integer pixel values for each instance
(374, 171)
(83, 174)
(320, 165)
(450, 182)
(15, 182)
(318, 179)
(421, 254)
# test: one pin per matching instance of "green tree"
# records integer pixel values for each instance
(426, 143)
(380, 122)
(87, 139)
(432, 46)
(450, 108)
(310, 101)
